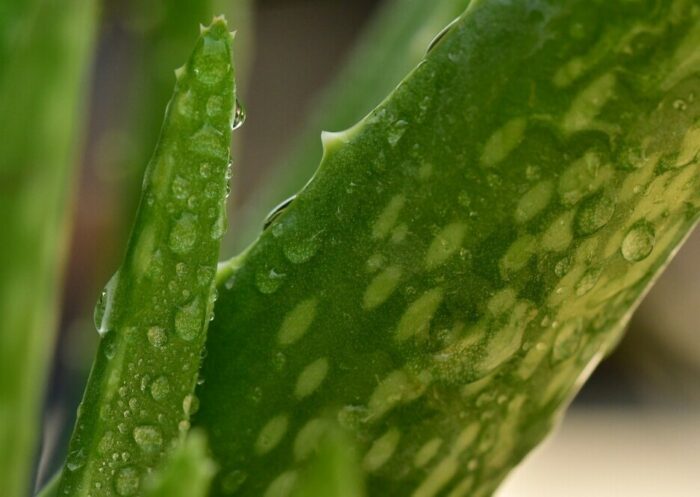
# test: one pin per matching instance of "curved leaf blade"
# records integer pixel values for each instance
(466, 254)
(154, 312)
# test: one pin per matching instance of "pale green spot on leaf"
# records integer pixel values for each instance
(415, 321)
(503, 141)
(444, 245)
(297, 322)
(381, 287)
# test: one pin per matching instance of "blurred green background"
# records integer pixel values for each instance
(633, 429)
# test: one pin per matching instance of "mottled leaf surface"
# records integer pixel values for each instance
(466, 254)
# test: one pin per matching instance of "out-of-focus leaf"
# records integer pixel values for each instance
(395, 41)
(45, 50)
(466, 254)
(186, 473)
(334, 468)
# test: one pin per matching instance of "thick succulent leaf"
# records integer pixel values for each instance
(45, 52)
(154, 312)
(162, 38)
(187, 472)
(467, 253)
(394, 42)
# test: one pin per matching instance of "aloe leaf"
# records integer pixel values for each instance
(154, 311)
(466, 254)
(45, 51)
(162, 39)
(187, 472)
(392, 45)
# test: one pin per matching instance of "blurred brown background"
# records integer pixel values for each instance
(298, 45)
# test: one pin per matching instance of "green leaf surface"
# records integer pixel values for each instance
(394, 42)
(466, 254)
(187, 472)
(162, 37)
(45, 53)
(154, 312)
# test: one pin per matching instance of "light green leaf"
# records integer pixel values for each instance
(154, 312)
(395, 41)
(333, 468)
(187, 472)
(467, 253)
(45, 53)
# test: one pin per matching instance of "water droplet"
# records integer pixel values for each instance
(183, 235)
(594, 214)
(160, 388)
(190, 404)
(232, 481)
(210, 142)
(76, 459)
(189, 320)
(396, 132)
(148, 438)
(180, 188)
(127, 481)
(269, 280)
(106, 443)
(157, 336)
(218, 228)
(301, 250)
(103, 309)
(239, 115)
(638, 242)
(215, 104)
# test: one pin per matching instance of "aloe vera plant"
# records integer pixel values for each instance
(154, 311)
(421, 314)
(466, 254)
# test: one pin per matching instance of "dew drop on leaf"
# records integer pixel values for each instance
(103, 308)
(157, 336)
(190, 404)
(239, 115)
(189, 320)
(126, 481)
(638, 242)
(594, 214)
(268, 280)
(183, 234)
(148, 438)
(300, 251)
(76, 459)
(160, 388)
